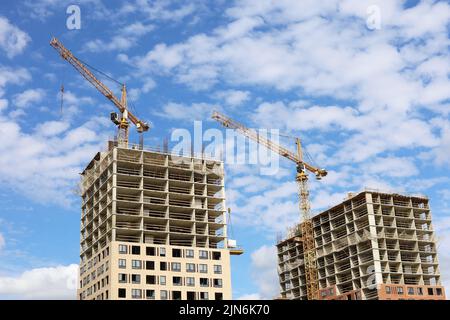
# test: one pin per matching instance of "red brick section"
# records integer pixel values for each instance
(389, 292)
(410, 292)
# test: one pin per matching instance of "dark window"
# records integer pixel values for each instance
(135, 278)
(176, 281)
(430, 291)
(400, 290)
(203, 282)
(122, 293)
(176, 295)
(176, 253)
(439, 291)
(136, 250)
(217, 283)
(216, 255)
(150, 279)
(163, 266)
(410, 290)
(190, 295)
(150, 251)
(218, 296)
(420, 291)
(150, 265)
(150, 294)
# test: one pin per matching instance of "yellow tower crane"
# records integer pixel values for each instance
(125, 115)
(307, 238)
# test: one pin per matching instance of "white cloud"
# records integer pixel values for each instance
(163, 10)
(28, 97)
(10, 75)
(12, 40)
(58, 282)
(233, 98)
(264, 273)
(123, 40)
(392, 167)
(43, 163)
(194, 111)
(250, 296)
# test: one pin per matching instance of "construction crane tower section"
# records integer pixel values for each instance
(307, 232)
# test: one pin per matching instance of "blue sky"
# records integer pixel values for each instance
(364, 83)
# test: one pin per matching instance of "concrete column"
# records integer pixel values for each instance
(374, 240)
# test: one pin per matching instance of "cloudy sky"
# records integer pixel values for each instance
(365, 84)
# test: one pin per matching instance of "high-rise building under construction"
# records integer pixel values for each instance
(373, 245)
(153, 226)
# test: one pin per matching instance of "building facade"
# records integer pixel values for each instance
(373, 245)
(153, 226)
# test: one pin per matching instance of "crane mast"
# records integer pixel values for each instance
(307, 239)
(122, 123)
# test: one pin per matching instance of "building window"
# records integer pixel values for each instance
(162, 252)
(177, 281)
(176, 253)
(136, 293)
(388, 290)
(203, 254)
(136, 264)
(189, 253)
(190, 281)
(217, 269)
(420, 291)
(176, 295)
(150, 251)
(439, 291)
(400, 290)
(162, 280)
(135, 278)
(204, 282)
(136, 250)
(150, 279)
(122, 263)
(163, 266)
(163, 295)
(216, 255)
(122, 248)
(176, 266)
(410, 290)
(217, 283)
(202, 268)
(203, 295)
(218, 296)
(190, 267)
(122, 293)
(150, 265)
(430, 291)
(190, 295)
(150, 294)
(122, 278)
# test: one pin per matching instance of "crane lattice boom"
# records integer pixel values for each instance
(121, 104)
(307, 232)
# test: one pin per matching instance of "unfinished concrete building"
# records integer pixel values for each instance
(153, 226)
(374, 245)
